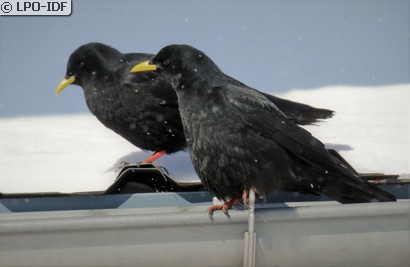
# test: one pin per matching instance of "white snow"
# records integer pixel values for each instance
(71, 153)
(371, 128)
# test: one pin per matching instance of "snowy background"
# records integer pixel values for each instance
(349, 56)
(69, 153)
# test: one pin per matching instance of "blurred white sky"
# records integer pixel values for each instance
(270, 45)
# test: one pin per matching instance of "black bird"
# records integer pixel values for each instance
(238, 139)
(143, 107)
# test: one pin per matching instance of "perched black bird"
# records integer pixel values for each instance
(238, 139)
(143, 107)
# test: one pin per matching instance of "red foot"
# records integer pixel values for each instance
(154, 157)
(225, 207)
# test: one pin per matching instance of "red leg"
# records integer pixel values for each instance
(154, 157)
(225, 207)
(245, 197)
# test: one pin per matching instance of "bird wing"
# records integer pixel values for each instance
(165, 93)
(155, 85)
(267, 120)
(299, 113)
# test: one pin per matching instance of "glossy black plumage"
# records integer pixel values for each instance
(143, 107)
(239, 139)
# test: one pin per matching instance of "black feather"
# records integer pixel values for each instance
(238, 138)
(143, 107)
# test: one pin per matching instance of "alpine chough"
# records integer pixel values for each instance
(238, 139)
(143, 107)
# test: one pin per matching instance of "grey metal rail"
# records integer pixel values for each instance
(289, 234)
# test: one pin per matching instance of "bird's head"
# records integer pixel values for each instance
(85, 63)
(182, 66)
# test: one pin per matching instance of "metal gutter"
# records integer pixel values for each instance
(328, 234)
(145, 218)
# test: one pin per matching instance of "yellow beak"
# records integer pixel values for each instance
(64, 83)
(144, 66)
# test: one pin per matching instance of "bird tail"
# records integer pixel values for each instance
(359, 193)
(299, 113)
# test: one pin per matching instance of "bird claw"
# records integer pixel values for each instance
(224, 207)
(211, 215)
(225, 211)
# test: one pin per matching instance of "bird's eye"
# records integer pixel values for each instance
(165, 62)
(81, 65)
(70, 74)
